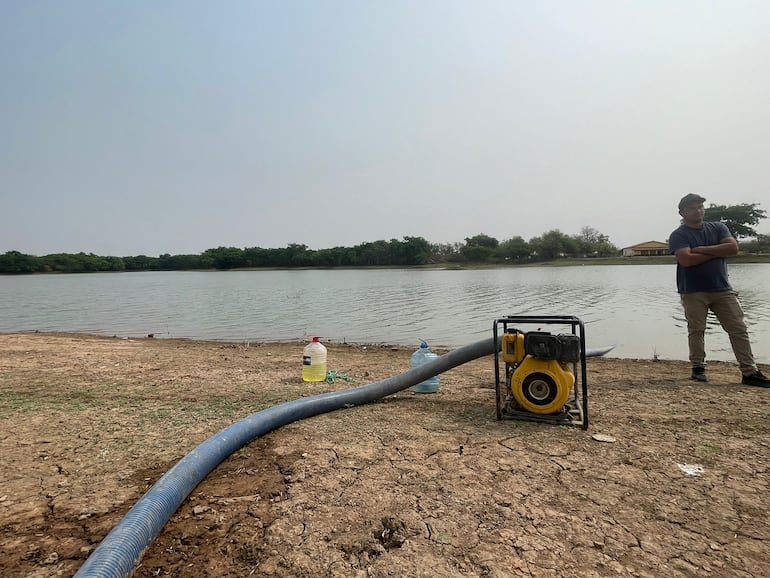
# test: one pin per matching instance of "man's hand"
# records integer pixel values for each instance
(726, 248)
(692, 256)
(687, 257)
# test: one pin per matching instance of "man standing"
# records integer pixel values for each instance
(700, 248)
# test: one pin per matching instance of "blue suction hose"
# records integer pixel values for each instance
(123, 547)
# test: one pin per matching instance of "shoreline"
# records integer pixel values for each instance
(300, 342)
(740, 259)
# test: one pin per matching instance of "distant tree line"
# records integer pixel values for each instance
(408, 252)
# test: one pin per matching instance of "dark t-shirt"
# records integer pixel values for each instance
(708, 276)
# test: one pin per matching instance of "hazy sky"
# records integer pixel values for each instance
(147, 127)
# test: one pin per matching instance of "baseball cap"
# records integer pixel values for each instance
(690, 199)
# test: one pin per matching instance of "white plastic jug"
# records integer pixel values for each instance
(314, 361)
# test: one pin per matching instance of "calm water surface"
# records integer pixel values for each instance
(633, 307)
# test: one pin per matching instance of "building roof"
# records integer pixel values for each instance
(648, 245)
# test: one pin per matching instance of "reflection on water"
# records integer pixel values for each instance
(634, 307)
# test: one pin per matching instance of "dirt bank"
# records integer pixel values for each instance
(412, 485)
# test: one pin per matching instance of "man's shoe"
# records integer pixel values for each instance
(699, 374)
(757, 379)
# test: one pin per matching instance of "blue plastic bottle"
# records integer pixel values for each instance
(419, 357)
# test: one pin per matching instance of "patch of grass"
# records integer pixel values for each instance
(13, 402)
(708, 452)
(220, 412)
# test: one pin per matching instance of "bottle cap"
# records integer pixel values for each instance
(315, 339)
(423, 344)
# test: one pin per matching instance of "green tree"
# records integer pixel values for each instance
(335, 257)
(61, 263)
(482, 240)
(479, 248)
(592, 243)
(15, 262)
(591, 236)
(373, 253)
(740, 219)
(256, 257)
(226, 257)
(140, 263)
(446, 252)
(114, 264)
(553, 244)
(179, 262)
(298, 255)
(415, 251)
(514, 249)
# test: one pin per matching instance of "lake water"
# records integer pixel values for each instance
(634, 307)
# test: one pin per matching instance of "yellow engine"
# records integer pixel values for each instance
(538, 365)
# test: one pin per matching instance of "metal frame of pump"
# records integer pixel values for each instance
(574, 410)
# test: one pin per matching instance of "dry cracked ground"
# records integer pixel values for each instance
(410, 485)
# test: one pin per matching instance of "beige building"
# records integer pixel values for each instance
(646, 249)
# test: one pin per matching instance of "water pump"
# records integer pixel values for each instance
(544, 377)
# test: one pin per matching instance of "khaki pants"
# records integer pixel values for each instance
(728, 310)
